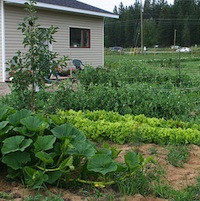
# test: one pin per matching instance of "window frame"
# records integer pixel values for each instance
(85, 33)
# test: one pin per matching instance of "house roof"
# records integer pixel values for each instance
(70, 6)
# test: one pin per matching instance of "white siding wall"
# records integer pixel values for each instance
(93, 56)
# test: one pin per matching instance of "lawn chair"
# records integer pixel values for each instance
(77, 63)
(48, 77)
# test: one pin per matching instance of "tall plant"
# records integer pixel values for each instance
(30, 68)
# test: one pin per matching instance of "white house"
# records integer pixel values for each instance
(80, 34)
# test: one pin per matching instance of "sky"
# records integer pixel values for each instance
(110, 4)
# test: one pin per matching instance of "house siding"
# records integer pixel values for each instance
(1, 68)
(93, 56)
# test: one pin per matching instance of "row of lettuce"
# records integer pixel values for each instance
(98, 125)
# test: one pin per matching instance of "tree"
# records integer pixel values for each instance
(150, 34)
(30, 68)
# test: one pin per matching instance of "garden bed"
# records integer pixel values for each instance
(177, 177)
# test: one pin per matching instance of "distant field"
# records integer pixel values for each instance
(188, 62)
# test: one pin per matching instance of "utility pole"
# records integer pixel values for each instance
(174, 38)
(141, 21)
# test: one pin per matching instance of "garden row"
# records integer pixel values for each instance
(102, 125)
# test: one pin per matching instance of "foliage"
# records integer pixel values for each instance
(47, 150)
(31, 68)
(178, 155)
(161, 22)
(100, 125)
(127, 86)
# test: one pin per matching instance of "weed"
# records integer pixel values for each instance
(178, 155)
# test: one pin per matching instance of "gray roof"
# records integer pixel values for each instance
(74, 4)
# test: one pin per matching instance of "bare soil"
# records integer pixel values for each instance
(178, 178)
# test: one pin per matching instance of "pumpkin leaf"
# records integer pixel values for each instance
(53, 176)
(102, 164)
(3, 113)
(15, 118)
(66, 131)
(44, 157)
(16, 160)
(83, 148)
(4, 127)
(131, 160)
(44, 143)
(34, 123)
(34, 178)
(15, 143)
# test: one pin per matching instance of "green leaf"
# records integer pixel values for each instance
(67, 131)
(101, 163)
(24, 131)
(34, 123)
(44, 143)
(53, 176)
(83, 148)
(131, 160)
(57, 120)
(4, 127)
(68, 162)
(45, 157)
(15, 143)
(3, 113)
(34, 178)
(16, 160)
(15, 119)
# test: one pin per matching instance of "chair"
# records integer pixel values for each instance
(77, 63)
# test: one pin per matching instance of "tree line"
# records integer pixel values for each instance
(163, 24)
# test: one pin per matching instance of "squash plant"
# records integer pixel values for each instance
(45, 150)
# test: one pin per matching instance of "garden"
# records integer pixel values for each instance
(127, 131)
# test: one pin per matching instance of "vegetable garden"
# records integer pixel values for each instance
(70, 136)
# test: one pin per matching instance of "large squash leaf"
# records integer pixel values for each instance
(16, 160)
(44, 143)
(24, 131)
(132, 161)
(15, 143)
(67, 131)
(53, 176)
(4, 127)
(34, 123)
(15, 118)
(44, 157)
(83, 148)
(102, 163)
(3, 113)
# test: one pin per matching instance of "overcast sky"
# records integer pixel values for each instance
(110, 4)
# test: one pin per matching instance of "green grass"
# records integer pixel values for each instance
(189, 63)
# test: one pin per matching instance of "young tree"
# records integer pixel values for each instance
(30, 68)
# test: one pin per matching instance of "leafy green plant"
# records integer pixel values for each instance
(178, 154)
(47, 150)
(118, 128)
(30, 69)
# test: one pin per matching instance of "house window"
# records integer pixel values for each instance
(79, 38)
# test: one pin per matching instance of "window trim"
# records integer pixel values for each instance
(82, 37)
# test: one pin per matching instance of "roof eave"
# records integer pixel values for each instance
(67, 9)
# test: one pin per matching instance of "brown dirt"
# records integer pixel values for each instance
(178, 178)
